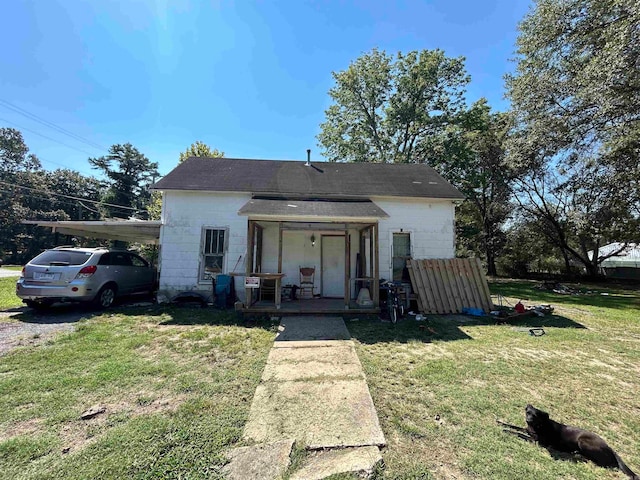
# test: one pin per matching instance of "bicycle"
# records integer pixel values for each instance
(394, 307)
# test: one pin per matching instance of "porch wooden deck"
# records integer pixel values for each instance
(310, 306)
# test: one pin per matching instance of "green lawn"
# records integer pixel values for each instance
(8, 298)
(177, 385)
(178, 382)
(439, 388)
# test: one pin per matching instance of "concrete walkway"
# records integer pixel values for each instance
(313, 390)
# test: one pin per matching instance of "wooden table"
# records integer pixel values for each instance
(267, 276)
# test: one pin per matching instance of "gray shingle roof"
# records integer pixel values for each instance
(321, 179)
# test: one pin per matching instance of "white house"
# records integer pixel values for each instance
(353, 223)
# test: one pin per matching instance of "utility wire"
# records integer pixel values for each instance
(49, 124)
(69, 196)
(88, 208)
(48, 138)
(31, 195)
(39, 198)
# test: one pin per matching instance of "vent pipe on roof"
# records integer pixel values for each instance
(308, 164)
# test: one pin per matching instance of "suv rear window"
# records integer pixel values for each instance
(61, 257)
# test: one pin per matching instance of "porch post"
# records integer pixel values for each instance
(279, 247)
(376, 266)
(278, 281)
(347, 269)
(249, 263)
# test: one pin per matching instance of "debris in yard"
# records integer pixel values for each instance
(93, 411)
(66, 450)
(520, 310)
(559, 288)
(533, 331)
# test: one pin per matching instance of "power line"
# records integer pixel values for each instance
(70, 196)
(48, 138)
(31, 195)
(46, 160)
(88, 208)
(40, 198)
(49, 124)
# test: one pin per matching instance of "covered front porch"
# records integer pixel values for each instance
(312, 263)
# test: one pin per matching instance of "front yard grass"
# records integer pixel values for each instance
(177, 384)
(439, 386)
(8, 298)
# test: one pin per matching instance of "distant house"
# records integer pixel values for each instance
(625, 264)
(353, 223)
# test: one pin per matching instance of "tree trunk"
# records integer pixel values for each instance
(567, 263)
(491, 266)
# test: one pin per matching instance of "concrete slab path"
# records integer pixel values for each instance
(313, 389)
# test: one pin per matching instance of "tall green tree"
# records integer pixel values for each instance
(28, 192)
(200, 149)
(386, 108)
(18, 169)
(576, 100)
(130, 175)
(471, 155)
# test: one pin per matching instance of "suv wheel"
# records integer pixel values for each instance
(105, 297)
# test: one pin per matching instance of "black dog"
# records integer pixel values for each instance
(564, 438)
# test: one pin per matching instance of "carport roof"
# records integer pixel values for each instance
(282, 208)
(140, 231)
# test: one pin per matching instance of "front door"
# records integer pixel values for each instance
(333, 266)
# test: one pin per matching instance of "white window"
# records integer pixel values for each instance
(401, 251)
(212, 252)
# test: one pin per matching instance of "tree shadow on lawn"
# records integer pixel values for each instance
(70, 312)
(56, 314)
(606, 296)
(193, 315)
(443, 328)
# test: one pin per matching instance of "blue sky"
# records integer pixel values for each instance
(247, 77)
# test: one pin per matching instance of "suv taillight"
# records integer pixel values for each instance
(22, 273)
(86, 272)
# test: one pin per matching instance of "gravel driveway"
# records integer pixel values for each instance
(23, 327)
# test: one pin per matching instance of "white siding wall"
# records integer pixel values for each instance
(430, 222)
(183, 216)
